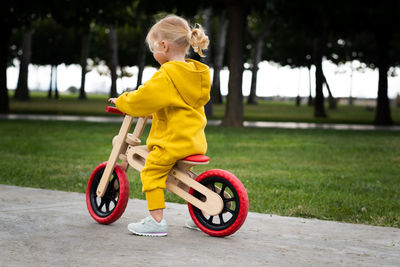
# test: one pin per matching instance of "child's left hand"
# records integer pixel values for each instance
(112, 100)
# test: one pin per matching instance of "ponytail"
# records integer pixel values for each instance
(198, 40)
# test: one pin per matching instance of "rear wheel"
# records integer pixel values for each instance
(109, 208)
(234, 196)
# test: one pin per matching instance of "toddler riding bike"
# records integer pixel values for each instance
(217, 200)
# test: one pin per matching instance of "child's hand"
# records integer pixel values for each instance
(112, 100)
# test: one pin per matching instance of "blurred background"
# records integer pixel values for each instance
(316, 53)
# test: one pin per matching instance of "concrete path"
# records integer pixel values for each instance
(52, 228)
(258, 124)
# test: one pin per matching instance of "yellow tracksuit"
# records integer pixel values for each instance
(175, 96)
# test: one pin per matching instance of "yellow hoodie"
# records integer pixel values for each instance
(175, 96)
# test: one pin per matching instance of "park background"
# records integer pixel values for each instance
(347, 176)
(273, 80)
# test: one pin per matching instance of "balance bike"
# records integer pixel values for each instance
(217, 200)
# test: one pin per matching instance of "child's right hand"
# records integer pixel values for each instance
(112, 100)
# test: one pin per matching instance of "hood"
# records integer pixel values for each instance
(191, 79)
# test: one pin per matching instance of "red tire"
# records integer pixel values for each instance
(110, 207)
(236, 204)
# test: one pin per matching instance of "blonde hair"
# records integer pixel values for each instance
(176, 29)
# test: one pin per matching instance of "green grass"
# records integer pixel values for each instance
(289, 112)
(264, 111)
(66, 105)
(350, 176)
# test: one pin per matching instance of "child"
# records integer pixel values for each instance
(175, 96)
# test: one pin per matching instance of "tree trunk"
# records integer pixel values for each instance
(219, 53)
(234, 106)
(113, 60)
(298, 98)
(383, 114)
(51, 82)
(319, 109)
(256, 59)
(332, 100)
(4, 100)
(85, 46)
(207, 59)
(141, 65)
(22, 91)
(56, 95)
(351, 84)
(141, 59)
(310, 99)
(254, 70)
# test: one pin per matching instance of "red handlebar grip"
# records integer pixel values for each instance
(114, 110)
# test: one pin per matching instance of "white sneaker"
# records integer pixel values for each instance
(149, 227)
(191, 225)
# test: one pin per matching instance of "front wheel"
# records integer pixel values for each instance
(110, 207)
(234, 196)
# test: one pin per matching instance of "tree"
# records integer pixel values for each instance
(369, 33)
(236, 13)
(259, 25)
(312, 25)
(218, 56)
(79, 15)
(378, 24)
(14, 14)
(54, 44)
(113, 63)
(141, 47)
(53, 73)
(331, 100)
(132, 49)
(206, 21)
(319, 110)
(85, 48)
(22, 90)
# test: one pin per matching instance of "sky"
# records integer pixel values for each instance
(273, 80)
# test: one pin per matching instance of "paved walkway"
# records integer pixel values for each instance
(260, 124)
(52, 228)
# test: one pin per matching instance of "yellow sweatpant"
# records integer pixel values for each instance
(154, 176)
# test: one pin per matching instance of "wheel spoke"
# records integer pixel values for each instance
(229, 199)
(101, 203)
(213, 187)
(221, 219)
(229, 210)
(108, 207)
(222, 191)
(210, 219)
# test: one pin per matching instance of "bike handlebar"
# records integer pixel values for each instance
(114, 110)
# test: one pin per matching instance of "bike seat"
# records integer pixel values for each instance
(196, 159)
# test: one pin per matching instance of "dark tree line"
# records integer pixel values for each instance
(295, 33)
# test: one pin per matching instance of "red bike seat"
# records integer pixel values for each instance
(197, 158)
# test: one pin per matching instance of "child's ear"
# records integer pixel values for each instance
(164, 46)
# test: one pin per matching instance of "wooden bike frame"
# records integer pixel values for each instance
(127, 148)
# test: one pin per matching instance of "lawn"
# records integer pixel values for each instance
(264, 111)
(350, 176)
